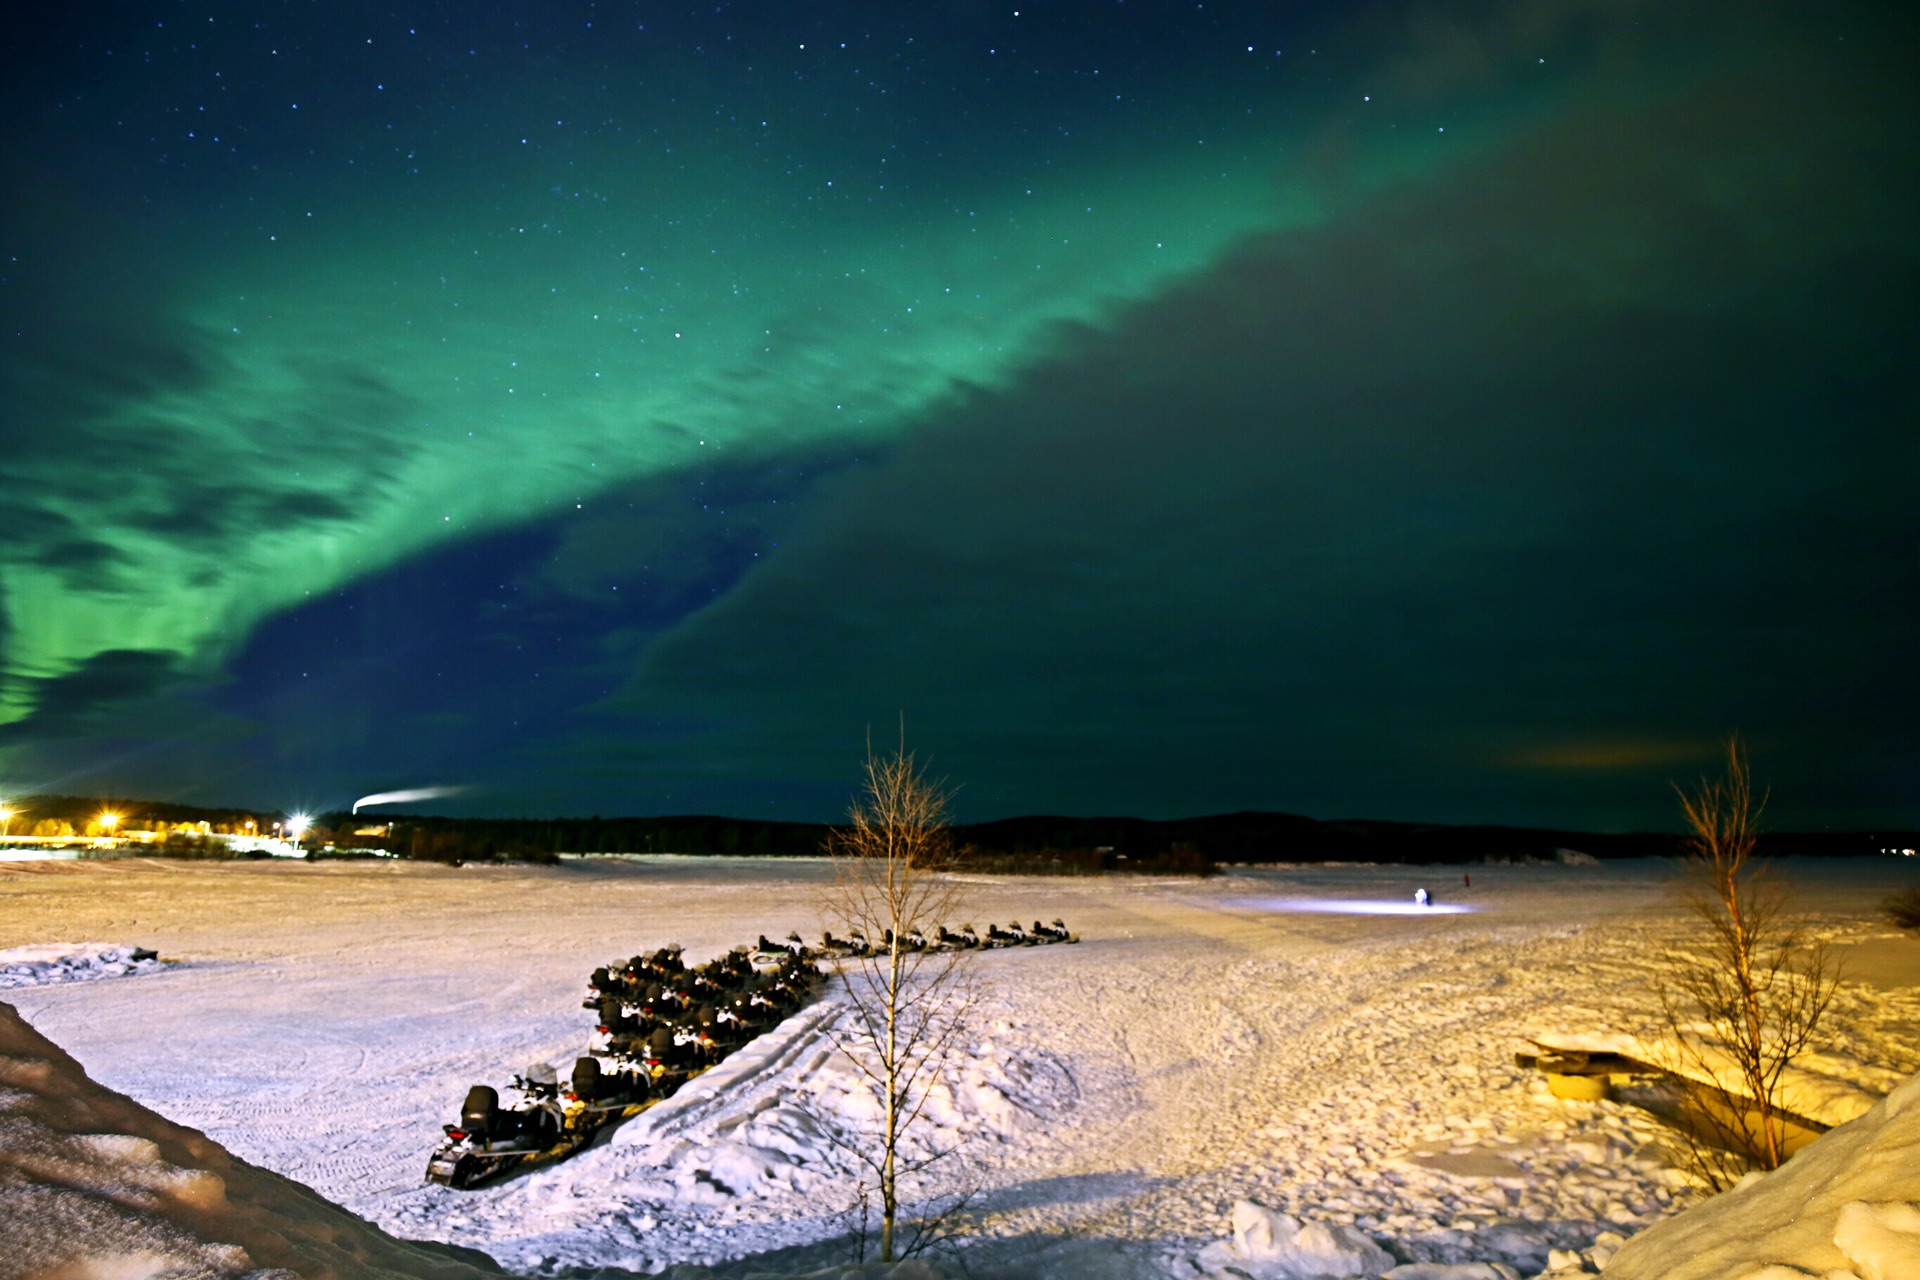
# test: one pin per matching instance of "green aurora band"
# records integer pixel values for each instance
(415, 376)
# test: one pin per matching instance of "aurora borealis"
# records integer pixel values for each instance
(1445, 412)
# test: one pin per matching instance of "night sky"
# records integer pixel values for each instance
(1462, 412)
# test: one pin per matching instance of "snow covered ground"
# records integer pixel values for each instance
(1209, 1042)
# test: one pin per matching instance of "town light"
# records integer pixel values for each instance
(297, 824)
(109, 820)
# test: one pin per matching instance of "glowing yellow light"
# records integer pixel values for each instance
(109, 820)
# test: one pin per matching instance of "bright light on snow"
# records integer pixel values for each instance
(1353, 906)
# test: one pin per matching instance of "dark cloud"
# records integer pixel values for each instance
(93, 433)
(1495, 501)
(684, 538)
(84, 565)
(87, 698)
(189, 511)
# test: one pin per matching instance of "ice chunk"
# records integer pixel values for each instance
(1270, 1245)
(1260, 1232)
(50, 962)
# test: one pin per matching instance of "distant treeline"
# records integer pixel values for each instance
(1285, 837)
(472, 839)
(1030, 845)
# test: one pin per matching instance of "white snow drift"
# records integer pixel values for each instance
(1845, 1207)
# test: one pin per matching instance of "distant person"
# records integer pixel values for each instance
(1421, 898)
(1466, 879)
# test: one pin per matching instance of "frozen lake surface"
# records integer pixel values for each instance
(1300, 1036)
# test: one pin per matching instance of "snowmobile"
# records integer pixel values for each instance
(1055, 932)
(549, 1124)
(621, 1027)
(666, 963)
(489, 1140)
(855, 945)
(607, 1087)
(998, 937)
(676, 1053)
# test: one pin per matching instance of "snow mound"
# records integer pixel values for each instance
(92, 1184)
(51, 962)
(1883, 1240)
(1848, 1204)
(1269, 1245)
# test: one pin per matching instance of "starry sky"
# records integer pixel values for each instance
(1457, 412)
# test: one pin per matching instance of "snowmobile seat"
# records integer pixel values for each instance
(477, 1113)
(664, 1047)
(586, 1079)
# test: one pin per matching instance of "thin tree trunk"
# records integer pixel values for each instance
(888, 1199)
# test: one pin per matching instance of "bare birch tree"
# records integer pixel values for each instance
(1744, 1000)
(909, 1003)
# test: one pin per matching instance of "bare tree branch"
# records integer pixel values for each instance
(909, 1002)
(1747, 998)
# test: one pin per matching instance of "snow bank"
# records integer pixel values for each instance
(52, 962)
(1847, 1205)
(92, 1184)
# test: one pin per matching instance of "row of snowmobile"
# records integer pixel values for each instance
(942, 939)
(658, 1023)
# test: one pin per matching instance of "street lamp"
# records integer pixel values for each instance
(297, 825)
(6, 820)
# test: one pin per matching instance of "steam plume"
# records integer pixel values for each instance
(402, 797)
